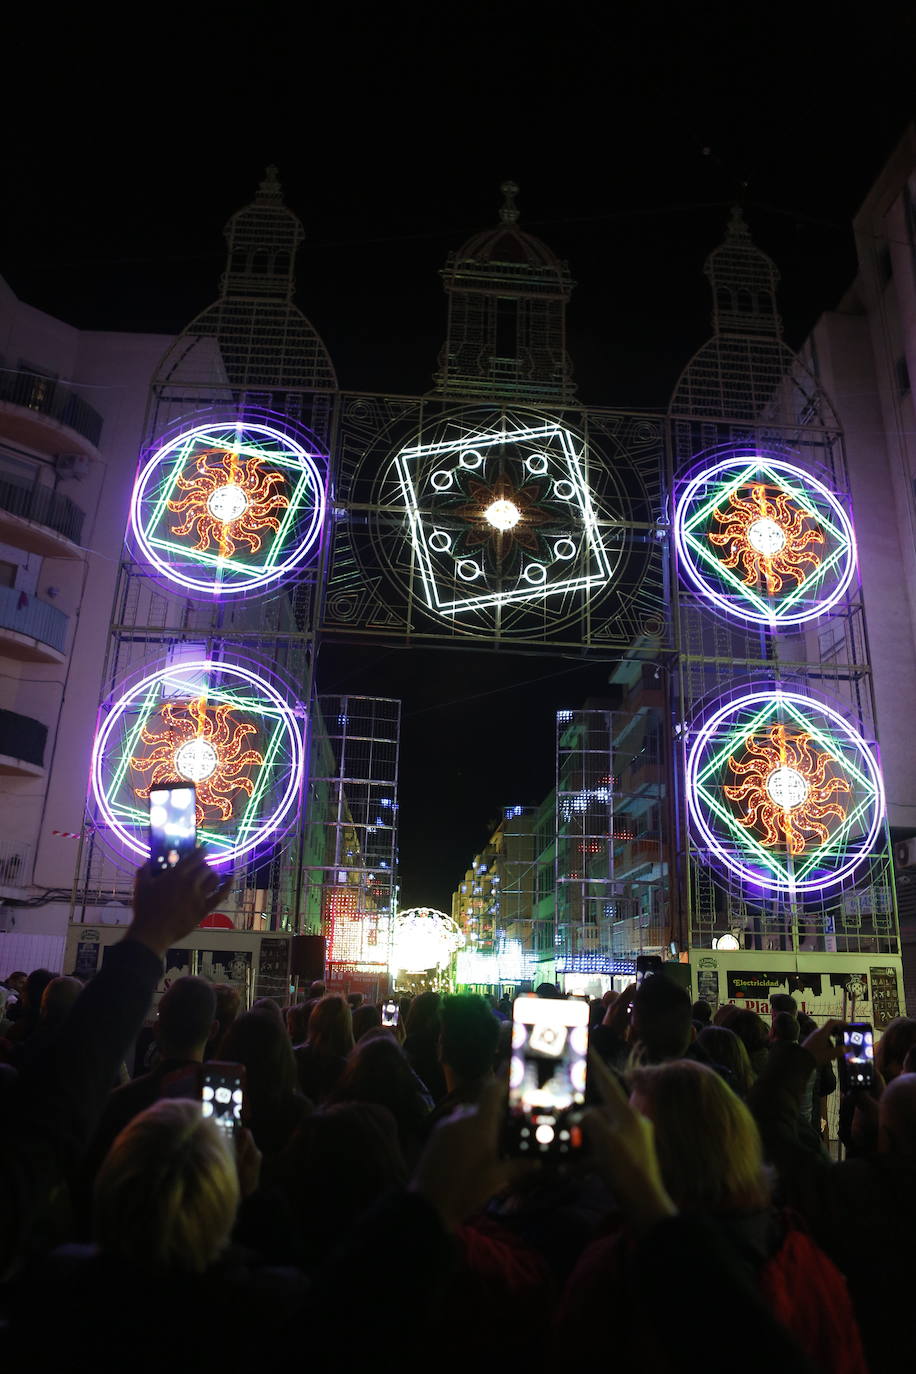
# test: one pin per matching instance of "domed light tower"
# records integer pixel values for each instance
(210, 660)
(785, 877)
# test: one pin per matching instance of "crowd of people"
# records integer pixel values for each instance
(365, 1209)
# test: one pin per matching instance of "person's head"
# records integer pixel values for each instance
(378, 1072)
(16, 981)
(891, 1050)
(719, 1045)
(702, 1012)
(297, 1021)
(897, 1117)
(33, 990)
(272, 1007)
(708, 1145)
(187, 1018)
(166, 1196)
(782, 1002)
(331, 1026)
(423, 1017)
(365, 1018)
(258, 1040)
(505, 1006)
(355, 999)
(57, 999)
(317, 988)
(468, 1040)
(337, 1164)
(549, 990)
(784, 1027)
(662, 1022)
(751, 1029)
(726, 1012)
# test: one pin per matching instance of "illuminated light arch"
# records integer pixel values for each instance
(422, 939)
(229, 507)
(763, 540)
(223, 726)
(783, 792)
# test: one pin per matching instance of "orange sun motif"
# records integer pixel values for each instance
(503, 513)
(204, 745)
(768, 537)
(228, 502)
(786, 788)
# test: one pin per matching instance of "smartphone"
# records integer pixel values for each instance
(172, 822)
(647, 964)
(222, 1095)
(546, 1077)
(390, 1013)
(859, 1054)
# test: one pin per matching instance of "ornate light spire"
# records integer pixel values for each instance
(270, 188)
(508, 211)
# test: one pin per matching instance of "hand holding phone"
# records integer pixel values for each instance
(223, 1095)
(547, 1073)
(859, 1055)
(390, 1014)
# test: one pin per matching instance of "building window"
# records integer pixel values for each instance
(903, 375)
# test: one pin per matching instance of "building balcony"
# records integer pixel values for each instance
(30, 630)
(43, 414)
(22, 745)
(15, 866)
(37, 519)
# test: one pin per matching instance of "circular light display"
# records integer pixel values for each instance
(222, 726)
(764, 540)
(503, 515)
(423, 938)
(229, 507)
(783, 791)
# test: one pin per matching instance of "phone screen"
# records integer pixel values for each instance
(646, 965)
(390, 1013)
(547, 1076)
(859, 1054)
(172, 822)
(223, 1095)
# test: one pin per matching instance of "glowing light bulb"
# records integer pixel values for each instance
(766, 537)
(787, 788)
(502, 515)
(196, 760)
(227, 503)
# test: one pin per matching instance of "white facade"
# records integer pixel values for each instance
(864, 353)
(72, 406)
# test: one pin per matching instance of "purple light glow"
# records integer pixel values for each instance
(754, 701)
(697, 490)
(105, 757)
(301, 518)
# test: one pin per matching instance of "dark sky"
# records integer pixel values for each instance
(630, 133)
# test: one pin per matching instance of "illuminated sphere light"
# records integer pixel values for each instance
(498, 514)
(196, 760)
(783, 793)
(423, 939)
(502, 515)
(226, 727)
(763, 540)
(229, 507)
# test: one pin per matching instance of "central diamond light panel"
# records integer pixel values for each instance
(783, 792)
(763, 540)
(499, 511)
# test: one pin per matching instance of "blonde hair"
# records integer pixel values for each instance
(708, 1144)
(167, 1193)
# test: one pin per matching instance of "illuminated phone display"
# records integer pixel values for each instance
(172, 823)
(390, 1013)
(547, 1076)
(223, 1095)
(859, 1054)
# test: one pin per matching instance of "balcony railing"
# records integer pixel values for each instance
(21, 737)
(48, 397)
(34, 619)
(15, 861)
(42, 505)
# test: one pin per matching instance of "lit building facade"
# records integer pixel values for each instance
(72, 406)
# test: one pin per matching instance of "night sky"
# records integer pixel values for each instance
(630, 135)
